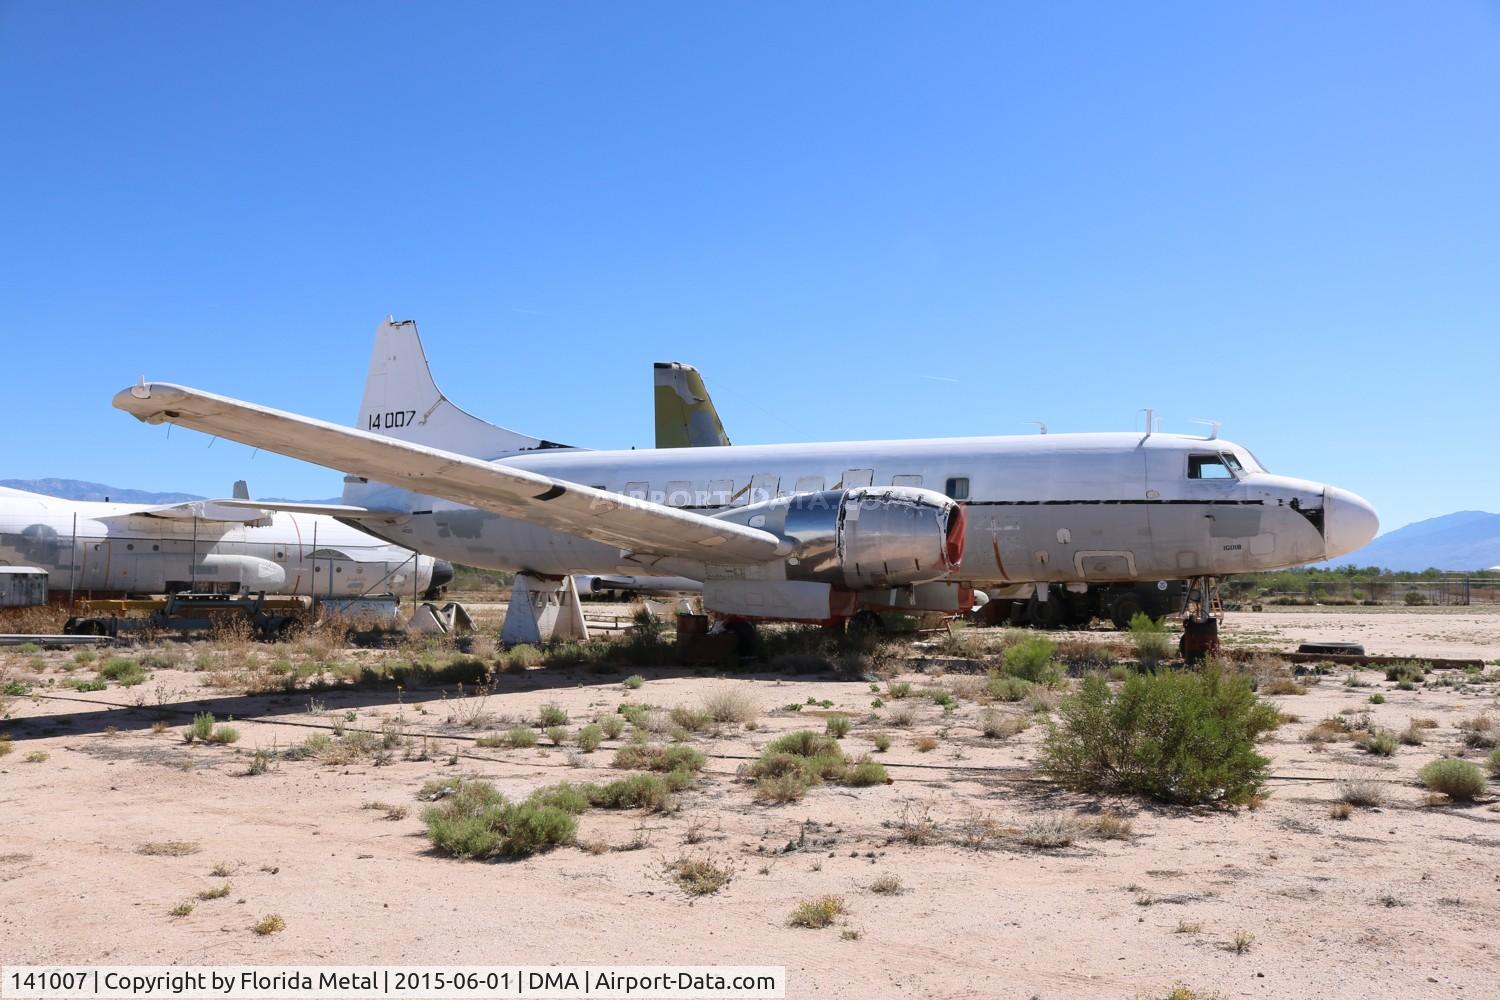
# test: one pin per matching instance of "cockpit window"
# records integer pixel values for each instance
(1232, 460)
(1208, 467)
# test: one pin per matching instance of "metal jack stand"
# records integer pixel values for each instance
(543, 611)
(1201, 615)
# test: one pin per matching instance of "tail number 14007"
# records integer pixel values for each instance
(392, 419)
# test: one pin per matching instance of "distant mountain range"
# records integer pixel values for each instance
(77, 489)
(1466, 540)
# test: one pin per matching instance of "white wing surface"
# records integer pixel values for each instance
(633, 525)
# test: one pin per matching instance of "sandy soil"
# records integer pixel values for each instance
(1458, 632)
(1397, 900)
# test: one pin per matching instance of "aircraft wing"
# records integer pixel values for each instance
(344, 512)
(206, 510)
(633, 525)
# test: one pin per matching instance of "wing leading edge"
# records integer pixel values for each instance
(630, 524)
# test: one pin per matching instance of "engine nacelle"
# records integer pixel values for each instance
(867, 537)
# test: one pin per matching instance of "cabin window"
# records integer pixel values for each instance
(720, 492)
(637, 491)
(957, 488)
(679, 493)
(763, 487)
(1208, 467)
(809, 484)
(858, 477)
(906, 480)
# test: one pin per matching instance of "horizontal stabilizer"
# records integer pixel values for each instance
(206, 510)
(344, 512)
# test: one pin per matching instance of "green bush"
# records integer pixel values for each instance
(1457, 779)
(1004, 688)
(804, 743)
(1152, 641)
(521, 737)
(1411, 671)
(123, 671)
(522, 656)
(1178, 737)
(650, 757)
(650, 792)
(613, 726)
(634, 681)
(1031, 660)
(557, 734)
(476, 821)
(866, 772)
(551, 715)
(838, 726)
(1493, 763)
(224, 734)
(568, 797)
(589, 738)
(202, 728)
(1415, 598)
(1381, 742)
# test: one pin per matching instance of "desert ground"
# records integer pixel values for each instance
(969, 874)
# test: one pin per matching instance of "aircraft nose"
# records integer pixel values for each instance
(1349, 522)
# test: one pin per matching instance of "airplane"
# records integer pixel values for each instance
(686, 418)
(99, 548)
(817, 532)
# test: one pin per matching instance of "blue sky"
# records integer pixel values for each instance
(858, 219)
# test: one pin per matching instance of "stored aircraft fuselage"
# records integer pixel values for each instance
(94, 547)
(1039, 508)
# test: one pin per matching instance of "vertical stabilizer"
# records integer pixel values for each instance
(402, 401)
(685, 415)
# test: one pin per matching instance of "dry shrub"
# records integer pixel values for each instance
(998, 725)
(818, 913)
(1479, 731)
(1362, 792)
(915, 825)
(1048, 831)
(1106, 826)
(979, 830)
(730, 705)
(699, 876)
(43, 620)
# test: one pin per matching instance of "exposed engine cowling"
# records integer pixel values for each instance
(869, 536)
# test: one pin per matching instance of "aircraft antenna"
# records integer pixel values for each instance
(1214, 425)
(1042, 428)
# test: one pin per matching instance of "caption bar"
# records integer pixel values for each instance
(272, 982)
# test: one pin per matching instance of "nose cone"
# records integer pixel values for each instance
(1349, 522)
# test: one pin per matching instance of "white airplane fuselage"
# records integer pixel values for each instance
(1039, 508)
(88, 546)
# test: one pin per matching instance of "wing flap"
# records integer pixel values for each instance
(630, 524)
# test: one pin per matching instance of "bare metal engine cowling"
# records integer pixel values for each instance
(866, 537)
